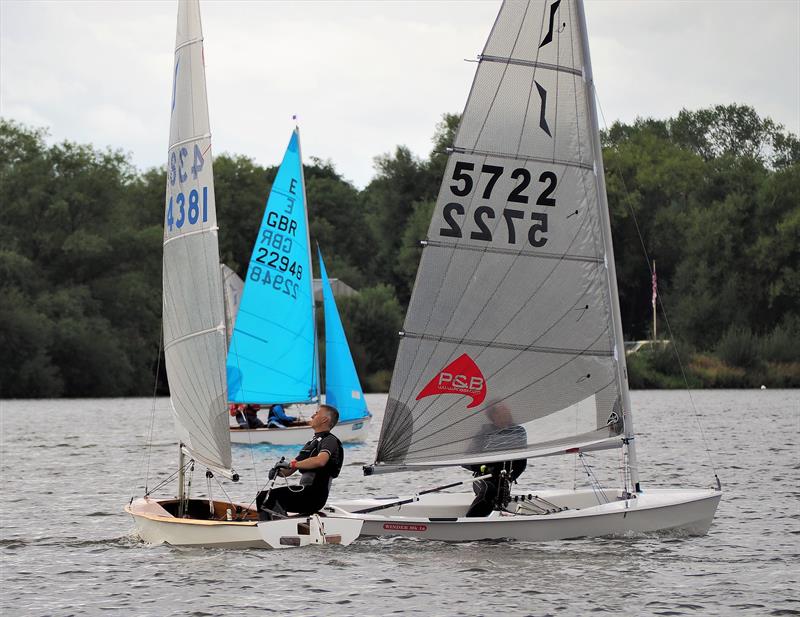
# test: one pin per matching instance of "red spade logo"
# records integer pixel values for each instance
(461, 376)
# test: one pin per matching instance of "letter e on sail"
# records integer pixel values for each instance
(461, 376)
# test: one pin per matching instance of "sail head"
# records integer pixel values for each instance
(509, 347)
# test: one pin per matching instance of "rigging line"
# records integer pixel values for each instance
(168, 479)
(597, 488)
(147, 454)
(224, 492)
(522, 307)
(628, 201)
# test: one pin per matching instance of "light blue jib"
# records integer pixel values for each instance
(272, 354)
(342, 387)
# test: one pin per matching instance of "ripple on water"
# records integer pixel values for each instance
(66, 523)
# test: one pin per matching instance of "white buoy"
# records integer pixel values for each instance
(763, 387)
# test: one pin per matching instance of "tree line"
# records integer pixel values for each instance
(712, 195)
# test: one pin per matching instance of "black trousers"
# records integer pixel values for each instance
(486, 494)
(299, 499)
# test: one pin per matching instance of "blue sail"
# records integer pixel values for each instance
(342, 388)
(272, 355)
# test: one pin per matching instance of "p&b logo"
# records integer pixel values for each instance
(461, 376)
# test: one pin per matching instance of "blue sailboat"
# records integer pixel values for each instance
(273, 351)
(342, 386)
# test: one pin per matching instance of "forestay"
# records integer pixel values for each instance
(273, 356)
(194, 322)
(509, 347)
(342, 386)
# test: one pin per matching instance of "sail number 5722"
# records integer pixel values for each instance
(517, 223)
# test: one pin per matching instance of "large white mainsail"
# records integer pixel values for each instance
(511, 347)
(194, 319)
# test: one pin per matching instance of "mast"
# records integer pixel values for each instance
(181, 481)
(619, 349)
(653, 301)
(315, 357)
(225, 307)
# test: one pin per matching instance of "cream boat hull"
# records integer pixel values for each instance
(155, 524)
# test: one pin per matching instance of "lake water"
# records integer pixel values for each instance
(69, 466)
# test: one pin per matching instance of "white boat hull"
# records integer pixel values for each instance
(156, 525)
(441, 516)
(352, 431)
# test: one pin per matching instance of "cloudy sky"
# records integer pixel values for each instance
(364, 77)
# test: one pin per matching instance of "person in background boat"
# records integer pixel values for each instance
(247, 416)
(500, 434)
(278, 418)
(319, 462)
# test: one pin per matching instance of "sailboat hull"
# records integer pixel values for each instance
(441, 516)
(352, 431)
(155, 524)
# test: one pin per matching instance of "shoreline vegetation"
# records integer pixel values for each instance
(713, 195)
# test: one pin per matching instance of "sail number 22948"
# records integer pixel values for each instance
(515, 219)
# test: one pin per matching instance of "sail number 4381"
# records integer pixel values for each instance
(463, 185)
(181, 209)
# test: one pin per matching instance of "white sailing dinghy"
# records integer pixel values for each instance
(274, 355)
(512, 345)
(195, 338)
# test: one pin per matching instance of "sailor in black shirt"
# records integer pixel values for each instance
(319, 462)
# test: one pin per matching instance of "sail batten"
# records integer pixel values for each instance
(530, 63)
(520, 157)
(509, 342)
(503, 251)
